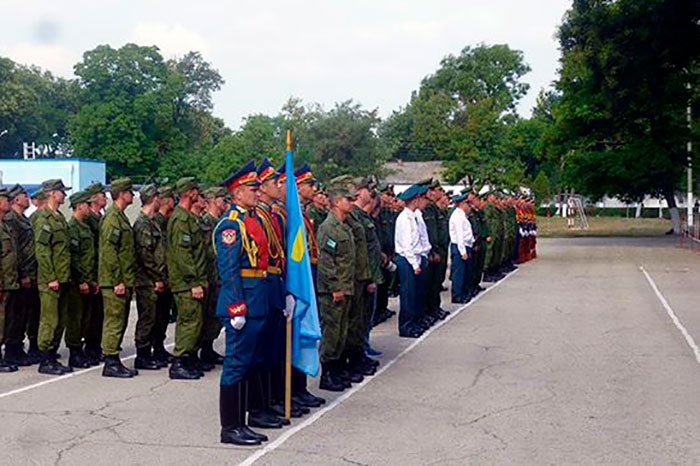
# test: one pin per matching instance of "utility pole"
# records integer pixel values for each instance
(690, 170)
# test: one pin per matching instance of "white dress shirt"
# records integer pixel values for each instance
(461, 231)
(407, 239)
(425, 246)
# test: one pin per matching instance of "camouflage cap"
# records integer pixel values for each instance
(186, 184)
(343, 185)
(4, 192)
(95, 188)
(39, 194)
(148, 192)
(426, 182)
(81, 197)
(362, 182)
(165, 191)
(55, 184)
(16, 190)
(214, 192)
(121, 185)
(435, 184)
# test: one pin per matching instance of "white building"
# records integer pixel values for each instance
(75, 173)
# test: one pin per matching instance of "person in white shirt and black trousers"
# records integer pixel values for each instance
(411, 260)
(461, 242)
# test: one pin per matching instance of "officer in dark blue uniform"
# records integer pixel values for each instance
(242, 257)
(267, 380)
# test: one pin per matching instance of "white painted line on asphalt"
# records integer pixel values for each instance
(62, 377)
(672, 315)
(279, 441)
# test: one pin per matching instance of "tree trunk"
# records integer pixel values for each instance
(673, 210)
(638, 212)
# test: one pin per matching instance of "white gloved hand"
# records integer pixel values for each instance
(238, 322)
(522, 232)
(290, 302)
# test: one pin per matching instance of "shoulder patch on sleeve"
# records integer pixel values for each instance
(233, 215)
(228, 236)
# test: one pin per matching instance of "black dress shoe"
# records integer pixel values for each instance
(300, 408)
(262, 421)
(307, 399)
(254, 435)
(15, 356)
(237, 436)
(268, 412)
(278, 409)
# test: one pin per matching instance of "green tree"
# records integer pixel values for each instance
(622, 119)
(462, 114)
(34, 108)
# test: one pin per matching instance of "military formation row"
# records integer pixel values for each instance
(364, 243)
(74, 280)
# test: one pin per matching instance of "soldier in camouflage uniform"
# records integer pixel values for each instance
(150, 276)
(185, 258)
(336, 284)
(51, 242)
(83, 265)
(164, 304)
(481, 239)
(38, 200)
(436, 222)
(117, 276)
(93, 315)
(25, 301)
(211, 325)
(495, 227)
(317, 210)
(9, 278)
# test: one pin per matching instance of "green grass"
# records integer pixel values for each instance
(555, 227)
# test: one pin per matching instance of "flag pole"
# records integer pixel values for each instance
(288, 361)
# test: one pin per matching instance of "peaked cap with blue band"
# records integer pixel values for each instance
(266, 171)
(413, 191)
(246, 176)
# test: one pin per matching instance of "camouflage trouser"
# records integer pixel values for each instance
(189, 322)
(476, 272)
(211, 325)
(357, 326)
(493, 254)
(116, 318)
(74, 320)
(93, 319)
(54, 316)
(33, 305)
(146, 300)
(334, 317)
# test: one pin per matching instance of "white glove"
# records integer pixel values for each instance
(522, 232)
(238, 322)
(290, 302)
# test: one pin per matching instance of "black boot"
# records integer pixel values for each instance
(144, 360)
(208, 355)
(50, 366)
(15, 355)
(180, 370)
(114, 368)
(77, 359)
(328, 381)
(161, 355)
(244, 411)
(6, 367)
(201, 365)
(230, 414)
(257, 415)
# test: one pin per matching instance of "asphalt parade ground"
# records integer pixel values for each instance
(586, 355)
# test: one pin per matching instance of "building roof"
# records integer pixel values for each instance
(400, 172)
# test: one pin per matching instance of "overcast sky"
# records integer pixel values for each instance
(373, 51)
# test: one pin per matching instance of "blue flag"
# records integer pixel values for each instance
(306, 328)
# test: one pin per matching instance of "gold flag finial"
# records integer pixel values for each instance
(289, 139)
